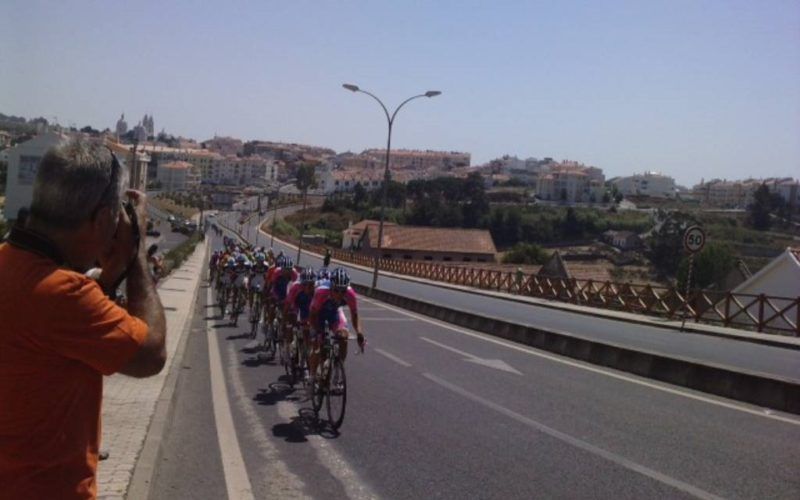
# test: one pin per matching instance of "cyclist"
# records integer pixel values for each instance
(326, 313)
(297, 306)
(258, 276)
(278, 280)
(239, 285)
(227, 275)
(212, 266)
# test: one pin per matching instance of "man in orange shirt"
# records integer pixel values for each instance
(60, 332)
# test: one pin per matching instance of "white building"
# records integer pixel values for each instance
(178, 176)
(234, 171)
(779, 278)
(571, 182)
(23, 163)
(647, 184)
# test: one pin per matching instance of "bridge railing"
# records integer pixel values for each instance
(761, 313)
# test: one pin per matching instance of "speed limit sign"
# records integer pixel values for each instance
(694, 239)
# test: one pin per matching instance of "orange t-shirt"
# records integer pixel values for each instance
(59, 334)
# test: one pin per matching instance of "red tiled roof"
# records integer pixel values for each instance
(360, 226)
(433, 239)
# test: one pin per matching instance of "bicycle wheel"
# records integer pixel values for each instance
(269, 340)
(223, 300)
(319, 384)
(298, 357)
(255, 316)
(337, 394)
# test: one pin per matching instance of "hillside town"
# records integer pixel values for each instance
(540, 214)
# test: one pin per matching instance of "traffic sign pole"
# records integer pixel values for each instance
(688, 290)
(694, 239)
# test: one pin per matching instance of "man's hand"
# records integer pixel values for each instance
(139, 201)
(121, 251)
(361, 341)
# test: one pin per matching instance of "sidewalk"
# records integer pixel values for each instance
(129, 403)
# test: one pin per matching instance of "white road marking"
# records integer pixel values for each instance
(594, 369)
(392, 357)
(273, 473)
(236, 480)
(385, 318)
(577, 443)
(497, 364)
(355, 488)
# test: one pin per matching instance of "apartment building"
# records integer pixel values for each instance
(571, 182)
(178, 176)
(652, 184)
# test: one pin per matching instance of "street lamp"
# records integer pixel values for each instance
(386, 175)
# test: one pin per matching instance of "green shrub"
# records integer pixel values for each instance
(526, 253)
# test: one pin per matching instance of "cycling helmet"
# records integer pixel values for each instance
(230, 264)
(288, 263)
(248, 264)
(323, 273)
(308, 275)
(260, 258)
(241, 259)
(339, 279)
(280, 261)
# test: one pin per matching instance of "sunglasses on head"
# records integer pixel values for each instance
(115, 169)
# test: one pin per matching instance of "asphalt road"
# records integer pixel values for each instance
(735, 354)
(441, 412)
(168, 239)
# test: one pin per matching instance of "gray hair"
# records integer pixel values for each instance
(73, 181)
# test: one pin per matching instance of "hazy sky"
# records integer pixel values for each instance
(692, 88)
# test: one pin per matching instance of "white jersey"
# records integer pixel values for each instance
(241, 279)
(257, 281)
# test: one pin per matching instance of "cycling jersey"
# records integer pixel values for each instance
(329, 311)
(299, 301)
(280, 283)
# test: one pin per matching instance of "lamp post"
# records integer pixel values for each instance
(386, 174)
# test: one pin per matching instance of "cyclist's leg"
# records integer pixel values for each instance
(342, 334)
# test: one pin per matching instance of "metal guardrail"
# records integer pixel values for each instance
(761, 313)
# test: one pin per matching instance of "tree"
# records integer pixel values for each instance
(359, 196)
(475, 203)
(759, 209)
(665, 243)
(306, 179)
(764, 204)
(525, 253)
(572, 226)
(711, 266)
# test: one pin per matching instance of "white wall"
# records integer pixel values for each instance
(23, 163)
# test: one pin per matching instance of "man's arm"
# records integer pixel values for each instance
(143, 300)
(144, 303)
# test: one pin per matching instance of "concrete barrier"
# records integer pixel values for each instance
(750, 387)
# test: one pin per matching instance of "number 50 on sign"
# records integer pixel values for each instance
(694, 239)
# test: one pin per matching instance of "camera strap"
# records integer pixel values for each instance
(33, 242)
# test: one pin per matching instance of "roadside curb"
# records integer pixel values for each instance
(144, 470)
(750, 387)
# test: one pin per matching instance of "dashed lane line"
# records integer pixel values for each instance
(392, 357)
(577, 443)
(619, 376)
